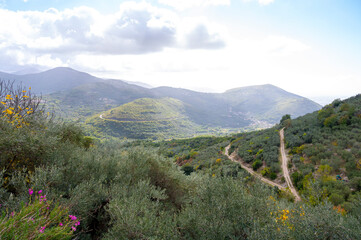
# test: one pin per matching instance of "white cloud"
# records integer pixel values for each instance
(261, 2)
(184, 4)
(136, 28)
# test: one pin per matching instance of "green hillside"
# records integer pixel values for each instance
(92, 98)
(57, 183)
(75, 95)
(324, 148)
(267, 102)
(145, 118)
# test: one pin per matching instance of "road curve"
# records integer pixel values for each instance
(284, 164)
(233, 157)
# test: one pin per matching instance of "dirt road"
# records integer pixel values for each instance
(233, 157)
(284, 164)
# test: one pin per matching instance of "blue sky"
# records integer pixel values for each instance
(309, 47)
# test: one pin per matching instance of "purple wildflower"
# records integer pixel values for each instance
(31, 191)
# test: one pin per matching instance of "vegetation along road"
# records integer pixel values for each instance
(233, 157)
(285, 171)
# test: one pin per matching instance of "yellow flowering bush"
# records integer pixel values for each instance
(17, 104)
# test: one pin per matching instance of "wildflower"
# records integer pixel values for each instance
(25, 96)
(73, 228)
(77, 223)
(3, 103)
(43, 198)
(41, 230)
(8, 97)
(24, 91)
(12, 214)
(30, 191)
(8, 111)
(40, 191)
(72, 217)
(60, 224)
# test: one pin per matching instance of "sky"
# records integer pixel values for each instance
(308, 47)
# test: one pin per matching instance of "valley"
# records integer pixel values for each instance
(170, 165)
(78, 96)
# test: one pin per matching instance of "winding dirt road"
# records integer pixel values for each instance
(233, 157)
(285, 171)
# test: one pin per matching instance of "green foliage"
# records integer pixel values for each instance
(256, 164)
(330, 140)
(135, 190)
(38, 219)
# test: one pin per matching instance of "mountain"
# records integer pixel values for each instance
(145, 118)
(54, 80)
(88, 99)
(267, 102)
(78, 95)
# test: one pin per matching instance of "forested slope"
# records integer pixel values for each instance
(56, 183)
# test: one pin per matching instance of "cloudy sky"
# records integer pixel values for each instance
(309, 47)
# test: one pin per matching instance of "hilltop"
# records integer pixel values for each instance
(145, 118)
(75, 95)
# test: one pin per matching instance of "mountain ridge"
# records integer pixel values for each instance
(79, 95)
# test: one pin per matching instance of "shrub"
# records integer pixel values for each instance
(256, 164)
(39, 219)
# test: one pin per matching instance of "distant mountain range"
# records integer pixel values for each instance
(78, 95)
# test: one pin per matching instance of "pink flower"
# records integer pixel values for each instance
(43, 198)
(72, 217)
(31, 191)
(73, 228)
(12, 214)
(40, 191)
(60, 224)
(77, 223)
(41, 230)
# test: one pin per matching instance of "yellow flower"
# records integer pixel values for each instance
(8, 97)
(25, 96)
(3, 103)
(24, 91)
(8, 111)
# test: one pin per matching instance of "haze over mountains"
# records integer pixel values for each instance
(80, 95)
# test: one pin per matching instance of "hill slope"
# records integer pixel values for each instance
(145, 118)
(267, 102)
(78, 95)
(324, 149)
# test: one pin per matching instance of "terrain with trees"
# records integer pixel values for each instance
(178, 189)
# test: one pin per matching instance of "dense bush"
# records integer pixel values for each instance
(329, 137)
(124, 191)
